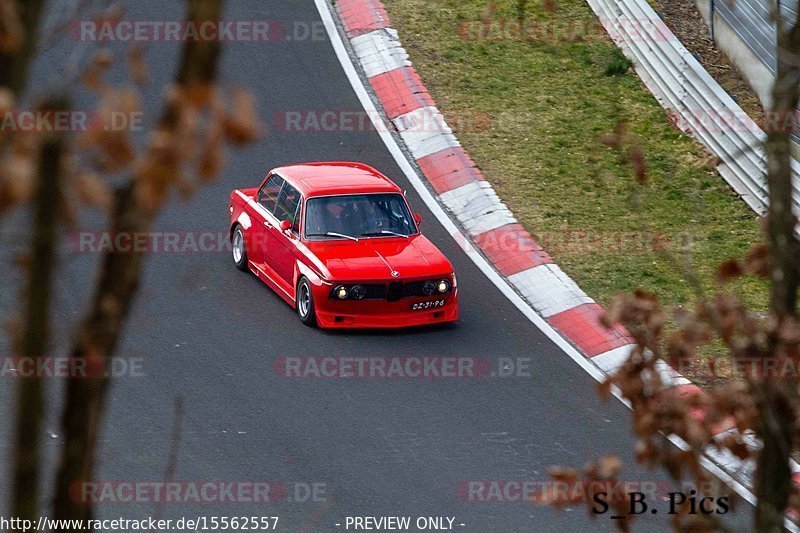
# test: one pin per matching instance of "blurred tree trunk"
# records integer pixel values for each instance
(14, 64)
(99, 332)
(34, 341)
(782, 220)
(775, 397)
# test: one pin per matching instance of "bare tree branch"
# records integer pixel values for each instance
(47, 202)
(99, 333)
(773, 481)
(14, 64)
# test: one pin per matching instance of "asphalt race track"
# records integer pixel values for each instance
(210, 335)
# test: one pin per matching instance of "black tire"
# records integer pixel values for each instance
(305, 308)
(239, 255)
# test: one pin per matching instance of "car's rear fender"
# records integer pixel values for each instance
(236, 208)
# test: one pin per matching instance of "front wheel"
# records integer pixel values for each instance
(305, 303)
(239, 250)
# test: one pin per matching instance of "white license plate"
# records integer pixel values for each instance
(433, 304)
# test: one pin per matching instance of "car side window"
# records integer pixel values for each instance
(286, 207)
(268, 194)
(297, 217)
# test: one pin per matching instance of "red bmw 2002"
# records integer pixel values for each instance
(338, 242)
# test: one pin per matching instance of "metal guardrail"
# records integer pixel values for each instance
(751, 20)
(698, 104)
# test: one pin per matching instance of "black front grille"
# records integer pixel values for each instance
(375, 292)
(391, 291)
(395, 291)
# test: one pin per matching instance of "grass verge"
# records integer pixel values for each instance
(531, 110)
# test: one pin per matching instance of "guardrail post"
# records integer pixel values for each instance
(711, 18)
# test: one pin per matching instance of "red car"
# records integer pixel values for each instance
(338, 242)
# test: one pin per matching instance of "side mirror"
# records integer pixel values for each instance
(285, 225)
(417, 219)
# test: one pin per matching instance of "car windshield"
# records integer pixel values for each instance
(358, 216)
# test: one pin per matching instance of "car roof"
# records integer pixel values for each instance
(338, 177)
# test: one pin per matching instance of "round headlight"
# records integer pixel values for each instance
(428, 287)
(341, 292)
(358, 292)
(443, 286)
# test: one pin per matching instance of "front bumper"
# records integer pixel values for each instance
(381, 313)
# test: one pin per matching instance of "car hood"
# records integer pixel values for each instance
(377, 258)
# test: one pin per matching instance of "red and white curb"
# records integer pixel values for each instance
(458, 185)
(461, 188)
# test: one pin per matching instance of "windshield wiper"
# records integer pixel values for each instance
(332, 234)
(383, 232)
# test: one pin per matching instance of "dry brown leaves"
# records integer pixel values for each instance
(12, 32)
(17, 171)
(184, 150)
(757, 348)
(192, 138)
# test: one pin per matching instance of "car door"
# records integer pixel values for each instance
(263, 220)
(283, 245)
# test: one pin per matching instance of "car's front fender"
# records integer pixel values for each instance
(314, 277)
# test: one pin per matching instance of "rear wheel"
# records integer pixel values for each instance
(305, 303)
(238, 249)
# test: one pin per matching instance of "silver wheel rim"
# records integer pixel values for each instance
(304, 300)
(238, 246)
